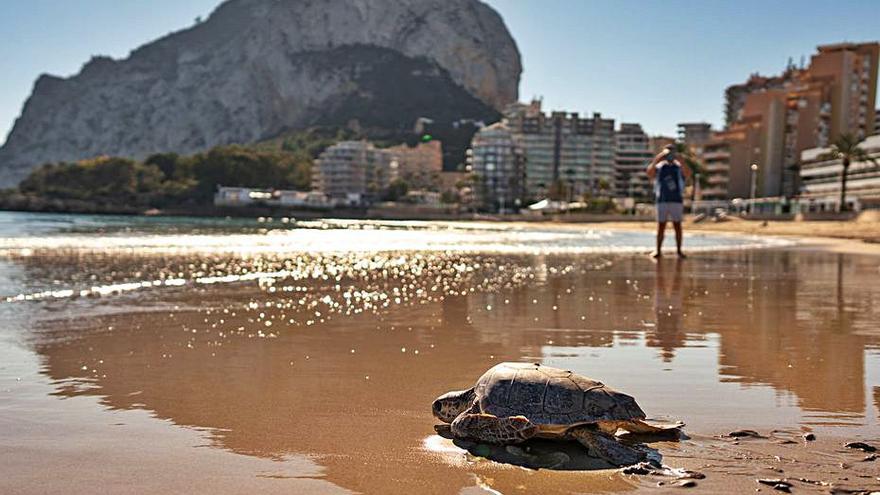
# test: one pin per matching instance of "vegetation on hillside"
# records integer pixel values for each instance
(105, 179)
(168, 180)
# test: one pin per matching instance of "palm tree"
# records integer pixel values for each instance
(846, 149)
(692, 162)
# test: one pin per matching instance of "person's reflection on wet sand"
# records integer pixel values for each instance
(668, 333)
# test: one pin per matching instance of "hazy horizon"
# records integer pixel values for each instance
(579, 56)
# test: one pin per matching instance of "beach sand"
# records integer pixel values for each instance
(322, 382)
(818, 231)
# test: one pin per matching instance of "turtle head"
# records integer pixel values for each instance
(448, 406)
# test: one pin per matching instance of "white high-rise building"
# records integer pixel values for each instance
(564, 151)
(820, 179)
(496, 161)
(633, 153)
(353, 172)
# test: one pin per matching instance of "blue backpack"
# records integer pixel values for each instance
(669, 183)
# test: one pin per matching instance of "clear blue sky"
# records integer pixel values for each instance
(653, 62)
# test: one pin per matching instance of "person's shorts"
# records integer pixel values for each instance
(667, 212)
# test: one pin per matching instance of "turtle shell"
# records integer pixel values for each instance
(551, 396)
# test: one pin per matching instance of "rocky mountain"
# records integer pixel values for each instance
(257, 68)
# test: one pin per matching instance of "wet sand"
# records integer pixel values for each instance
(865, 233)
(321, 381)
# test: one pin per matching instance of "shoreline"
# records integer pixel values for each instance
(804, 234)
(835, 236)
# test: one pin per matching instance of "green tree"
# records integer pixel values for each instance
(396, 190)
(109, 180)
(449, 197)
(168, 163)
(847, 149)
(247, 167)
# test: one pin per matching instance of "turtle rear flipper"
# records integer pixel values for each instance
(646, 427)
(606, 446)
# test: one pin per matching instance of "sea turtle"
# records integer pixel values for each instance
(513, 402)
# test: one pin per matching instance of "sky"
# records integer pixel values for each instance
(647, 61)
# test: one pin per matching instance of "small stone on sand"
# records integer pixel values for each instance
(861, 446)
(777, 484)
(744, 433)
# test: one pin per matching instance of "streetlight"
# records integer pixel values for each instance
(754, 169)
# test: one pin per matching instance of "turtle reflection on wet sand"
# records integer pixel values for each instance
(515, 402)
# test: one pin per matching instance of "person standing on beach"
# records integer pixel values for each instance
(669, 174)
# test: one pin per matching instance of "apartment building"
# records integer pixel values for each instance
(735, 95)
(633, 153)
(694, 134)
(739, 144)
(354, 172)
(716, 160)
(498, 164)
(805, 108)
(850, 69)
(564, 151)
(420, 166)
(877, 121)
(660, 142)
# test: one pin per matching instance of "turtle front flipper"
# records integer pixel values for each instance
(606, 446)
(492, 429)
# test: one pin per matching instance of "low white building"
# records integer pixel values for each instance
(420, 197)
(245, 196)
(304, 199)
(820, 179)
(240, 196)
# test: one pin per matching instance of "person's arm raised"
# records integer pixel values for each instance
(652, 168)
(686, 170)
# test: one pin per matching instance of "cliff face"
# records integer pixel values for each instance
(255, 68)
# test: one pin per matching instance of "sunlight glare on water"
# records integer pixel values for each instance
(267, 249)
(255, 237)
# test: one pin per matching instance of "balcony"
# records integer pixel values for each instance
(717, 168)
(715, 191)
(716, 155)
